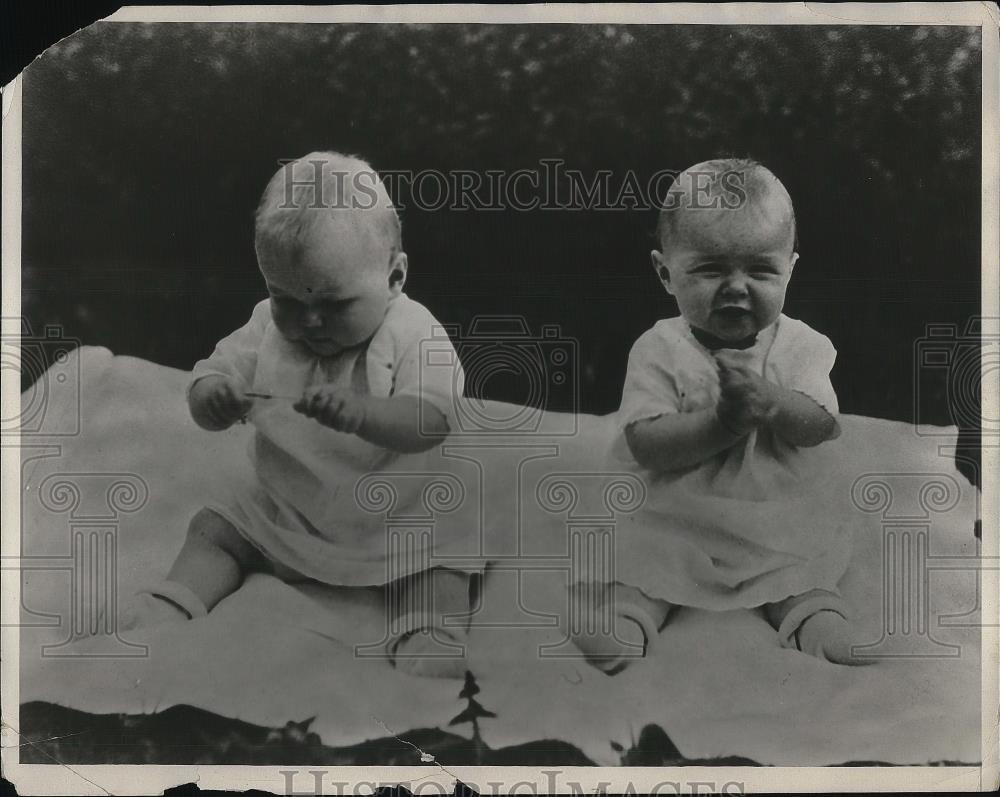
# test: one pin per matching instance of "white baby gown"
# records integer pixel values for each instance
(753, 524)
(297, 503)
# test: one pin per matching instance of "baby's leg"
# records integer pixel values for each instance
(210, 566)
(421, 643)
(612, 624)
(815, 622)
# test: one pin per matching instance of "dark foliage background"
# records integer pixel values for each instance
(146, 148)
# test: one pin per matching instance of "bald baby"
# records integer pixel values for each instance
(723, 195)
(329, 247)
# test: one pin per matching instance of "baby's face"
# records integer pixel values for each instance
(337, 293)
(728, 271)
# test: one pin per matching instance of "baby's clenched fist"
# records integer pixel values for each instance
(746, 399)
(217, 402)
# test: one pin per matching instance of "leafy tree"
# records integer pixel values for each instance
(146, 147)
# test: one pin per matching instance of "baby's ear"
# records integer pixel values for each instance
(660, 267)
(397, 272)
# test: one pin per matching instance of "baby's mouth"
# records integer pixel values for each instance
(732, 313)
(322, 344)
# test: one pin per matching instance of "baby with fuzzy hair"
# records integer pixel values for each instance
(337, 335)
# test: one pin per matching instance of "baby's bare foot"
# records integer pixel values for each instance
(828, 635)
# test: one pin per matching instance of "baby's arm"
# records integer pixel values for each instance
(414, 417)
(396, 422)
(659, 435)
(400, 424)
(216, 394)
(800, 421)
(748, 400)
(678, 441)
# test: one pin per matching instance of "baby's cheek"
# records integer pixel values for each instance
(361, 323)
(286, 325)
(772, 300)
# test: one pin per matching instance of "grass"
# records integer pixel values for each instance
(188, 735)
(185, 735)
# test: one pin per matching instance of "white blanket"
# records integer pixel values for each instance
(717, 682)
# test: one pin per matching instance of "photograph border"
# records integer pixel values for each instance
(148, 779)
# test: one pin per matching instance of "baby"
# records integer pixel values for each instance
(717, 404)
(327, 371)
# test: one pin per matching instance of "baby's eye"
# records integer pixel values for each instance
(337, 305)
(285, 302)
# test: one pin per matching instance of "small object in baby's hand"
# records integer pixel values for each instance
(271, 396)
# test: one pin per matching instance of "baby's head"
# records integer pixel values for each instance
(727, 247)
(328, 244)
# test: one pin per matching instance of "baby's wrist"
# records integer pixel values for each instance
(363, 418)
(728, 424)
(772, 396)
(201, 387)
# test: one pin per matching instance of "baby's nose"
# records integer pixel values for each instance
(735, 284)
(312, 319)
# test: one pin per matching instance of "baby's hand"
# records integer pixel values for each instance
(340, 409)
(217, 402)
(746, 399)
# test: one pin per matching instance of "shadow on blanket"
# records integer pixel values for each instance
(714, 684)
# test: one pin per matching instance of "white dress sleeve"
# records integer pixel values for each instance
(806, 364)
(651, 388)
(235, 355)
(425, 364)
